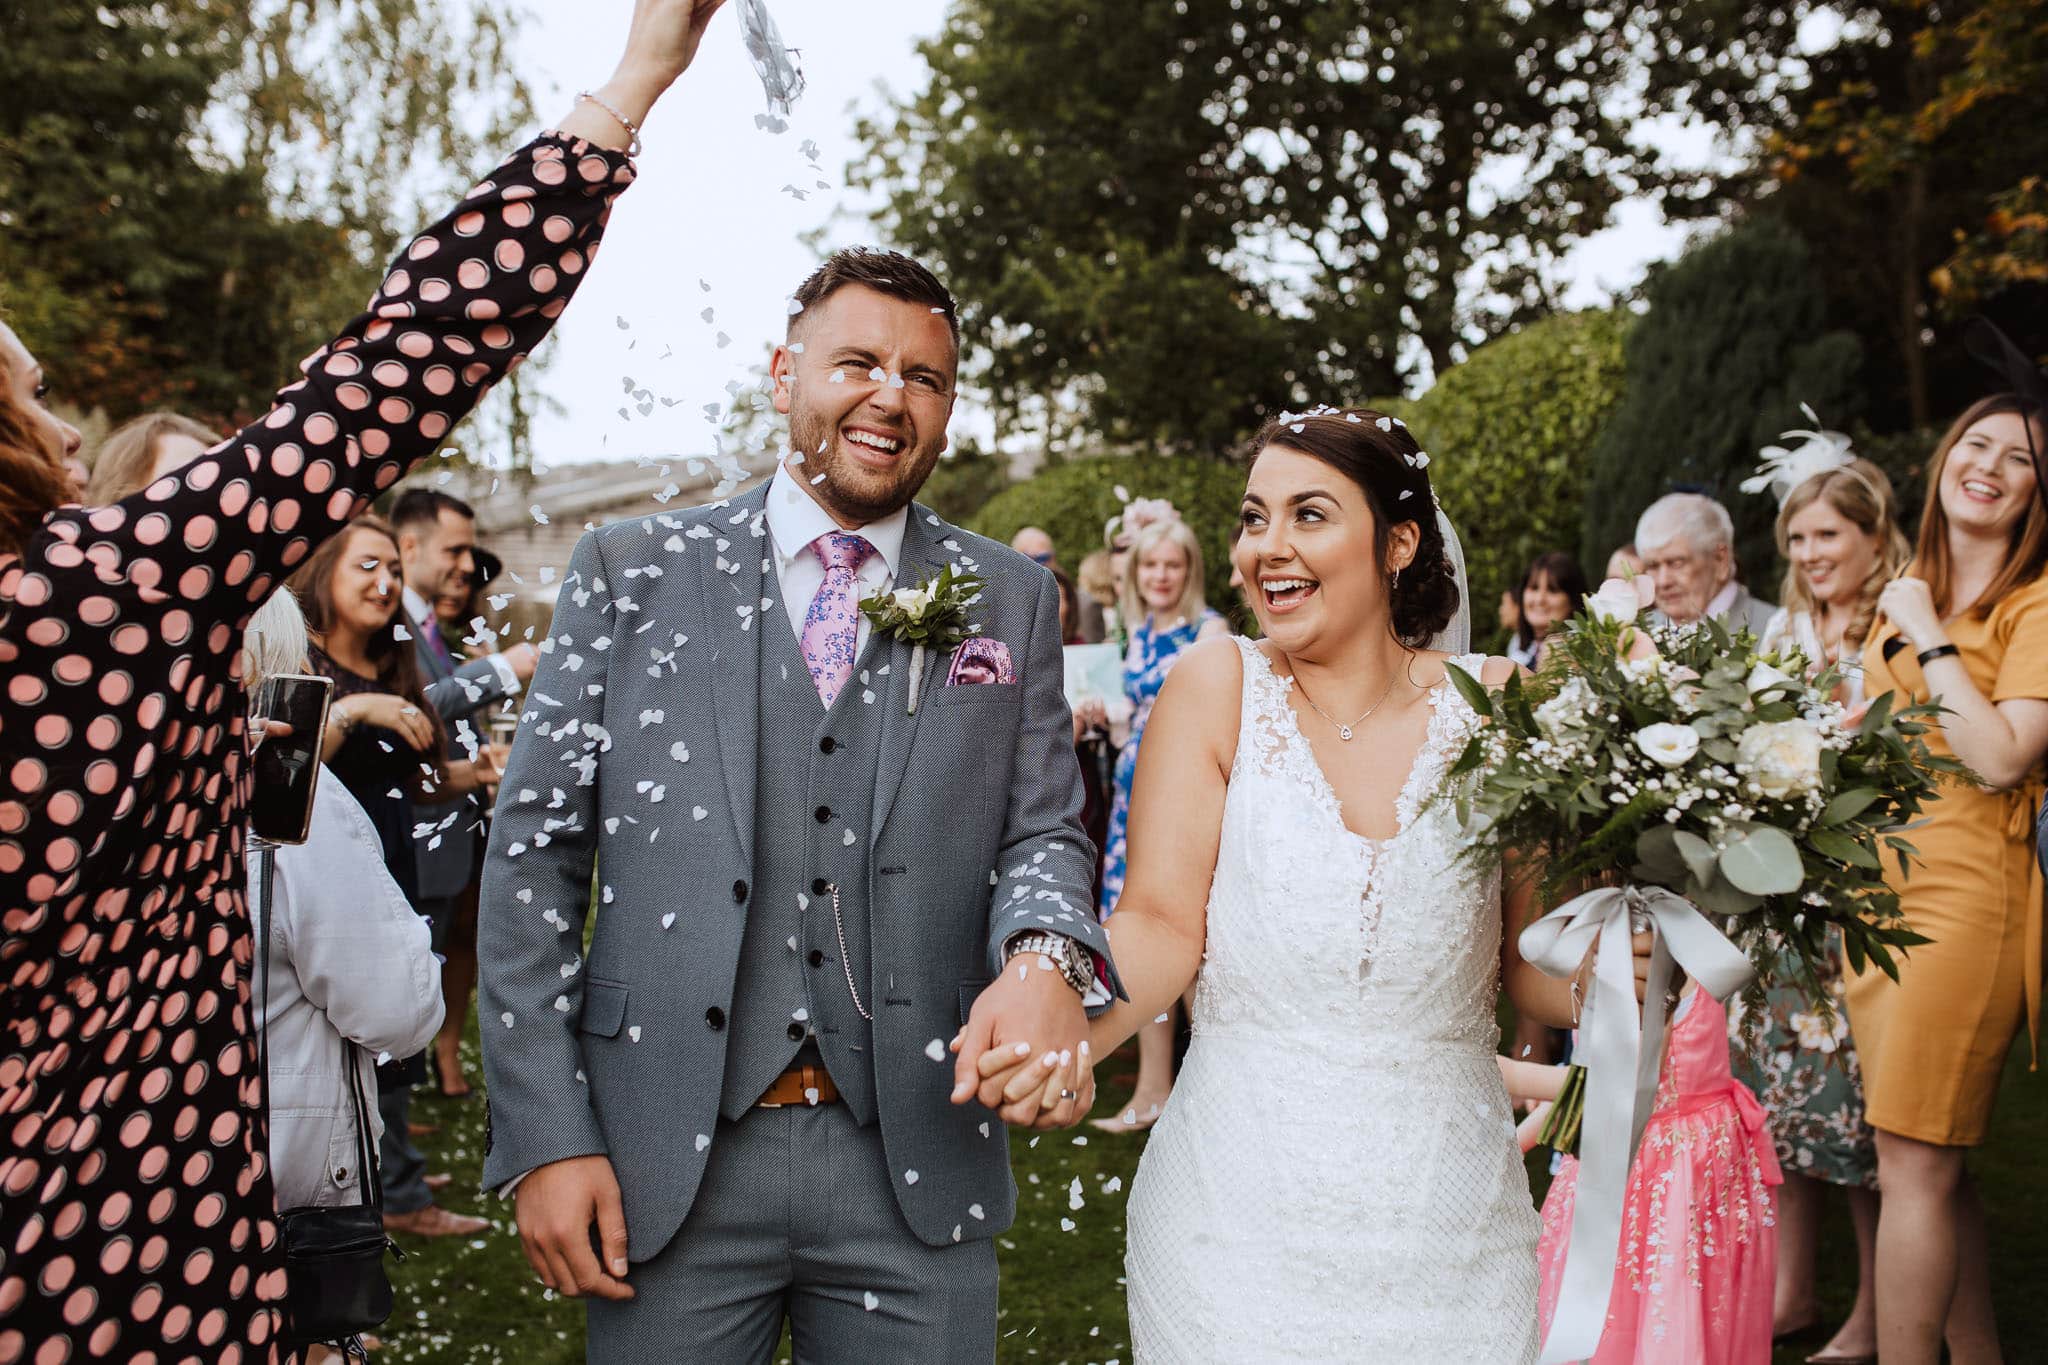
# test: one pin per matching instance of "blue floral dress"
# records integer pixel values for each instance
(1146, 663)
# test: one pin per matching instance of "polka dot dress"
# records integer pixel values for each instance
(134, 1200)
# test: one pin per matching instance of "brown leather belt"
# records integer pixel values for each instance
(803, 1083)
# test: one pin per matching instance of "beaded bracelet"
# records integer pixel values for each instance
(632, 128)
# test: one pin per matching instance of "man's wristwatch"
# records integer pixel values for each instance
(1073, 961)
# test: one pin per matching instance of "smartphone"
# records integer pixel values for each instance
(287, 768)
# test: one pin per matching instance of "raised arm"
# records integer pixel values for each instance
(462, 304)
(1176, 824)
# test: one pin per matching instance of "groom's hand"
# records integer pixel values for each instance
(558, 1203)
(1023, 1052)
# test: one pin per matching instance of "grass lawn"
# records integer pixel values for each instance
(1062, 1268)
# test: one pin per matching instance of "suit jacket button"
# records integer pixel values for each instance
(796, 1033)
(739, 892)
(715, 1017)
(827, 745)
(820, 887)
(816, 958)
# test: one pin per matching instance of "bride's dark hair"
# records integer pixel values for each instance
(1376, 452)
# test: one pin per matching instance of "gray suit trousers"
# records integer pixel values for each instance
(795, 1218)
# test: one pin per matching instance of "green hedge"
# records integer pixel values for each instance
(1071, 501)
(1508, 433)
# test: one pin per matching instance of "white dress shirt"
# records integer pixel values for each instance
(795, 519)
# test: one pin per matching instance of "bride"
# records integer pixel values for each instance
(1336, 1176)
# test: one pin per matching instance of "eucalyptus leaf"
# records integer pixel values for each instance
(1700, 857)
(1763, 861)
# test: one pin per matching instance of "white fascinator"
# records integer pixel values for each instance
(1785, 467)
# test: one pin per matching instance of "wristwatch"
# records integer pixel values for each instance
(1073, 961)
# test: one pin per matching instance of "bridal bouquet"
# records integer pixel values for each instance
(1707, 792)
(1682, 758)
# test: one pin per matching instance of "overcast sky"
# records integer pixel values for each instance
(714, 207)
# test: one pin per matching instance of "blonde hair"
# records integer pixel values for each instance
(1192, 603)
(2027, 550)
(126, 462)
(274, 641)
(1862, 494)
(1095, 578)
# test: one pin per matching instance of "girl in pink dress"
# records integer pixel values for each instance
(1693, 1281)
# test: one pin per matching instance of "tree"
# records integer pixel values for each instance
(1169, 220)
(1508, 433)
(1734, 341)
(1912, 160)
(196, 193)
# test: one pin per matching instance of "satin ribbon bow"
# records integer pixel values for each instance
(1621, 1059)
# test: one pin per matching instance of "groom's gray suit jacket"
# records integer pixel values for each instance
(673, 737)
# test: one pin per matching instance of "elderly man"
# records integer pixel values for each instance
(1687, 544)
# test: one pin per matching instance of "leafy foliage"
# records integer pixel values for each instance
(1911, 158)
(1171, 220)
(1510, 432)
(196, 193)
(1734, 341)
(1073, 501)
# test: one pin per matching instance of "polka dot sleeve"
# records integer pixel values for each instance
(463, 303)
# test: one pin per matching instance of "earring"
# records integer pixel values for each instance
(1397, 580)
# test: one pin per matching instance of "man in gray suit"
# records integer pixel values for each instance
(817, 867)
(1687, 544)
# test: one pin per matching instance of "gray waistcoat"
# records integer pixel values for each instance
(805, 802)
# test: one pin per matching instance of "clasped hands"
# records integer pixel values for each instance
(1024, 1049)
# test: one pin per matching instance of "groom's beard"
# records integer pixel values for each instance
(856, 493)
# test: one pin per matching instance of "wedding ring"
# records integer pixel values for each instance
(1067, 1095)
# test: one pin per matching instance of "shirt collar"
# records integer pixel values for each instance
(415, 605)
(796, 518)
(1723, 599)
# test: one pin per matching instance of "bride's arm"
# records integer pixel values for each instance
(1537, 994)
(1176, 825)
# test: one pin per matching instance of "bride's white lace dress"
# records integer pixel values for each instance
(1336, 1177)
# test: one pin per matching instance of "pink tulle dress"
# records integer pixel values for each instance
(1699, 1237)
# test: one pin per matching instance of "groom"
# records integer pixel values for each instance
(811, 872)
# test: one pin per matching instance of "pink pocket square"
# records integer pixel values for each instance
(980, 661)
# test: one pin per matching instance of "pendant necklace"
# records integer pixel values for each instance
(1344, 731)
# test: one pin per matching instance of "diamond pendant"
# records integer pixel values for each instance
(1344, 732)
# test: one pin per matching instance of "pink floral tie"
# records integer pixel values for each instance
(832, 625)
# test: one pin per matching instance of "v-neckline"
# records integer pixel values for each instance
(1404, 804)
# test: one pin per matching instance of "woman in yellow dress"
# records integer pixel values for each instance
(1968, 628)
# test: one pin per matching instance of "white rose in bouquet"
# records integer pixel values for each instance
(913, 600)
(1671, 745)
(1617, 600)
(1783, 757)
(1766, 676)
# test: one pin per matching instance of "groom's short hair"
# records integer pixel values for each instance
(885, 272)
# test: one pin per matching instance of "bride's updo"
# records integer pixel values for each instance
(1376, 452)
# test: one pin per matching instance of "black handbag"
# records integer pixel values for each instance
(335, 1282)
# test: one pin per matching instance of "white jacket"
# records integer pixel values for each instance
(350, 959)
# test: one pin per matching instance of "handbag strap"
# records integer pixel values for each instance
(368, 1186)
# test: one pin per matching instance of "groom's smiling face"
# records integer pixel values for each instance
(867, 381)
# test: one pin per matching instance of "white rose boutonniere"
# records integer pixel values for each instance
(930, 615)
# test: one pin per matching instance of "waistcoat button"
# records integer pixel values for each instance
(820, 887)
(796, 1033)
(739, 892)
(823, 813)
(715, 1017)
(816, 958)
(827, 745)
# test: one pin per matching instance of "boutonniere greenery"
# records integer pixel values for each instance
(931, 615)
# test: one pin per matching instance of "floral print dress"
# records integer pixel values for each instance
(135, 1203)
(1149, 659)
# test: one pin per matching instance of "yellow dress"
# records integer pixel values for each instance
(1933, 1045)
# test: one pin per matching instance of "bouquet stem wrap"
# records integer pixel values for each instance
(1621, 1060)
